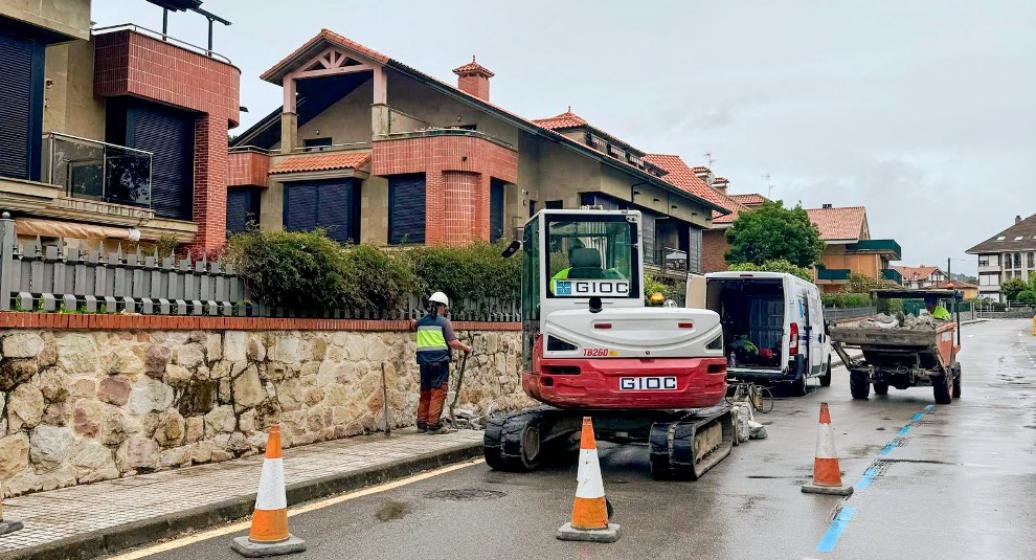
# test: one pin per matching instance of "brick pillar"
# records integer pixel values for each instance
(480, 229)
(210, 181)
(435, 207)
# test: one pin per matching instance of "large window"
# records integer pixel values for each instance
(332, 205)
(406, 209)
(21, 105)
(243, 208)
(694, 249)
(584, 247)
(496, 210)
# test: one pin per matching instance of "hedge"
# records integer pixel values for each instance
(846, 300)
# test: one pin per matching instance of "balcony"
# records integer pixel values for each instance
(832, 274)
(668, 259)
(892, 275)
(95, 170)
(880, 246)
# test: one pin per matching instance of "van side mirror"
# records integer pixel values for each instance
(511, 249)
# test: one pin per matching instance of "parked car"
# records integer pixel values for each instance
(773, 327)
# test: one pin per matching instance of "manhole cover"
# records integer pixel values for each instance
(464, 494)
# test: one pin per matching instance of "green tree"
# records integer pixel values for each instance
(773, 232)
(1012, 288)
(1028, 297)
(777, 265)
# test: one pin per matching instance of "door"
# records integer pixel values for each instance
(820, 346)
(814, 333)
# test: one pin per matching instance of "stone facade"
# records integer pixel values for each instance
(80, 406)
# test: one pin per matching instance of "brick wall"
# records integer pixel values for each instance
(248, 169)
(713, 248)
(129, 63)
(457, 172)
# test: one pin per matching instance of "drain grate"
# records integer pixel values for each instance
(466, 494)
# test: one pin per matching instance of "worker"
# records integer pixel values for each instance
(936, 310)
(564, 272)
(435, 338)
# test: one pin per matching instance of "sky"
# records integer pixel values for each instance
(924, 112)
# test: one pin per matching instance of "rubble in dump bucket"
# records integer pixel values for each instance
(899, 321)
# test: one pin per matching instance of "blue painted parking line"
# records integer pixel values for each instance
(834, 530)
(888, 448)
(867, 478)
(904, 430)
(917, 417)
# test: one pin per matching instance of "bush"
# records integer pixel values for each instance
(653, 285)
(777, 265)
(1027, 297)
(377, 279)
(846, 300)
(470, 272)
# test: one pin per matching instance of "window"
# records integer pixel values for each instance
(1001, 238)
(242, 208)
(592, 248)
(1017, 260)
(989, 280)
(316, 144)
(1019, 237)
(988, 260)
(406, 209)
(530, 290)
(554, 204)
(1032, 260)
(496, 210)
(331, 204)
(693, 249)
(21, 111)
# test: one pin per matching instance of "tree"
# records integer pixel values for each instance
(779, 265)
(773, 232)
(1028, 297)
(1012, 288)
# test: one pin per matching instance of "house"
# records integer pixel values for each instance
(921, 276)
(111, 134)
(967, 289)
(849, 249)
(376, 151)
(1008, 254)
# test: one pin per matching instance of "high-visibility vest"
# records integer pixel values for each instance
(941, 313)
(431, 341)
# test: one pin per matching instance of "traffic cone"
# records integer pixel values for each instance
(269, 534)
(827, 476)
(590, 509)
(7, 525)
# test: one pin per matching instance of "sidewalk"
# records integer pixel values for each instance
(105, 517)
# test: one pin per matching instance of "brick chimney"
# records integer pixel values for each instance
(827, 206)
(473, 78)
(703, 173)
(720, 184)
(1017, 219)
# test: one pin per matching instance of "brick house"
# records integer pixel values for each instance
(378, 152)
(111, 134)
(922, 276)
(1009, 254)
(849, 248)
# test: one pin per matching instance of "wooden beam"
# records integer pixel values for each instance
(289, 93)
(380, 86)
(322, 72)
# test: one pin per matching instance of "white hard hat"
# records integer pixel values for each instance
(439, 297)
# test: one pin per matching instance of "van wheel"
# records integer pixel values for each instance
(941, 389)
(956, 381)
(825, 380)
(800, 386)
(881, 388)
(859, 385)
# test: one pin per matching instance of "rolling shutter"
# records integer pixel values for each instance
(242, 208)
(335, 210)
(169, 135)
(496, 210)
(647, 225)
(406, 209)
(332, 205)
(21, 107)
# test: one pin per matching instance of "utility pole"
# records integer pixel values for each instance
(949, 275)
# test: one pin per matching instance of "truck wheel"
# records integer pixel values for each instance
(800, 386)
(825, 379)
(941, 389)
(859, 385)
(956, 381)
(881, 388)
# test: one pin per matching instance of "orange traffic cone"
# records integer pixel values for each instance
(827, 476)
(269, 533)
(590, 509)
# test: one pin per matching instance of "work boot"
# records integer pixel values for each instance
(422, 427)
(436, 430)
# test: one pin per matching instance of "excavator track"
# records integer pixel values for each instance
(687, 448)
(523, 441)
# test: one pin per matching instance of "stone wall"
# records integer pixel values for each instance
(85, 406)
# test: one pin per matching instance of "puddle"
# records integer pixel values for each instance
(392, 510)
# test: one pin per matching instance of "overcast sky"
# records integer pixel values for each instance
(924, 112)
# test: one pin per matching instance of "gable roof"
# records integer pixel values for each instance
(911, 273)
(681, 175)
(846, 223)
(1025, 229)
(568, 119)
(328, 38)
(956, 285)
(752, 199)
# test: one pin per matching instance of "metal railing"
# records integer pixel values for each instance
(164, 37)
(670, 259)
(97, 170)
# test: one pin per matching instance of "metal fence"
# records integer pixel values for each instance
(840, 313)
(54, 277)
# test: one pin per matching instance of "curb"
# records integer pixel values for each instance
(110, 541)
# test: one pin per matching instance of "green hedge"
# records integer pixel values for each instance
(779, 265)
(846, 300)
(311, 272)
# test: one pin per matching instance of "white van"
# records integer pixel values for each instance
(773, 327)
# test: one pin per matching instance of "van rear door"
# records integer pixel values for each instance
(752, 313)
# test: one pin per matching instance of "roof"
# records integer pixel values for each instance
(679, 174)
(320, 161)
(846, 223)
(749, 199)
(911, 273)
(473, 68)
(1019, 237)
(956, 285)
(568, 119)
(326, 37)
(904, 293)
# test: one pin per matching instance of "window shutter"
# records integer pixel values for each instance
(694, 249)
(647, 225)
(169, 135)
(406, 209)
(300, 206)
(242, 208)
(19, 131)
(496, 210)
(331, 204)
(335, 209)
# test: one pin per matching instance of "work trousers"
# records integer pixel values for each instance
(435, 382)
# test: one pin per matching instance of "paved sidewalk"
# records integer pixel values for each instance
(101, 518)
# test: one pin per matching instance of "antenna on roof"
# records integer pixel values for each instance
(708, 159)
(769, 185)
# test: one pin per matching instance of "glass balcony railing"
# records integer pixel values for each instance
(668, 258)
(97, 170)
(892, 274)
(833, 274)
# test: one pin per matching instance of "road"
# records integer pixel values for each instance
(958, 483)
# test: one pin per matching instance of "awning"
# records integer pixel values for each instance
(71, 230)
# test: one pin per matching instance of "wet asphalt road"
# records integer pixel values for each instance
(959, 483)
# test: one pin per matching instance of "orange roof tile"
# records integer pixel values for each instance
(749, 199)
(320, 161)
(276, 72)
(955, 285)
(700, 169)
(473, 68)
(839, 224)
(679, 174)
(568, 119)
(911, 273)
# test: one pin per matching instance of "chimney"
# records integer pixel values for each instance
(1017, 219)
(473, 78)
(703, 173)
(827, 206)
(720, 184)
